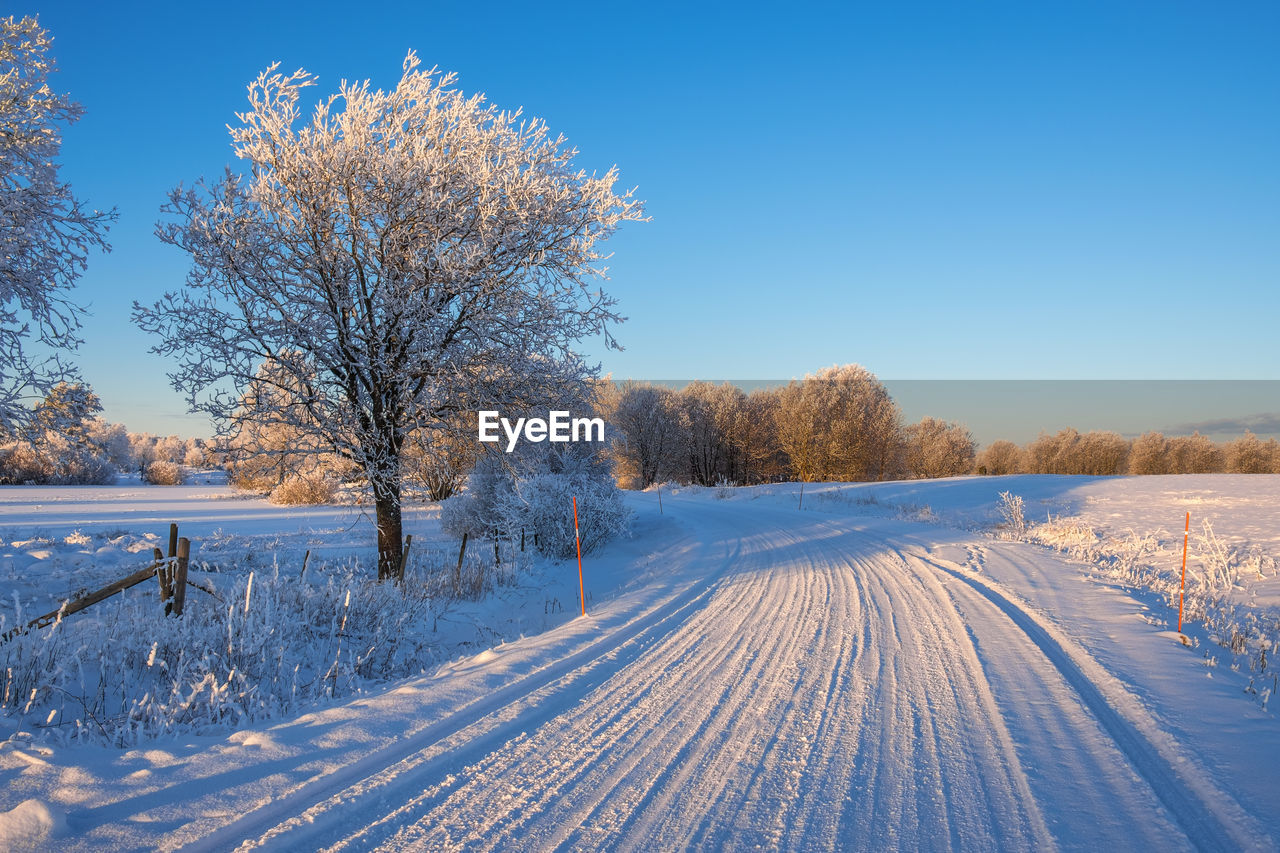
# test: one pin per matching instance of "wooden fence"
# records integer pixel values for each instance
(171, 570)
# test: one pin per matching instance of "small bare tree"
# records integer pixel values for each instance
(402, 257)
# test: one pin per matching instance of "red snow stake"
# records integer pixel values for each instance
(578, 541)
(1185, 533)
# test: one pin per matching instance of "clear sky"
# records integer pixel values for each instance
(1020, 190)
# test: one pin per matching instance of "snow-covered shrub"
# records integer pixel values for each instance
(54, 461)
(1011, 510)
(163, 473)
(476, 510)
(543, 505)
(312, 489)
(533, 490)
(19, 465)
(437, 460)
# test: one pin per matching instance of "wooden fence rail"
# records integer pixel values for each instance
(171, 572)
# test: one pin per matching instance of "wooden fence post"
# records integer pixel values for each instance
(180, 575)
(457, 573)
(404, 555)
(164, 578)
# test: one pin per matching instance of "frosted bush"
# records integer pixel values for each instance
(1011, 510)
(311, 489)
(533, 491)
(476, 510)
(1221, 563)
(542, 505)
(163, 473)
(54, 461)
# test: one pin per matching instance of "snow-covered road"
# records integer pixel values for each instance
(825, 684)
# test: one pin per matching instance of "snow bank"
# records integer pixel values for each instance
(30, 824)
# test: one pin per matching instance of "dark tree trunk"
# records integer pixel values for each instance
(390, 538)
(386, 503)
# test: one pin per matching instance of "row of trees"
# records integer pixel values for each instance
(841, 424)
(1108, 453)
(63, 441)
(837, 424)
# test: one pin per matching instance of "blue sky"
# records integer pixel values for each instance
(933, 190)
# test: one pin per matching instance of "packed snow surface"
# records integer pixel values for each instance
(876, 668)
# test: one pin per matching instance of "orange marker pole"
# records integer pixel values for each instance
(578, 541)
(1185, 534)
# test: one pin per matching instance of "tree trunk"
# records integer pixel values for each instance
(390, 540)
(385, 481)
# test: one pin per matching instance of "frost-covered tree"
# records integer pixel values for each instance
(840, 424)
(59, 444)
(1148, 454)
(758, 458)
(1102, 453)
(936, 448)
(1069, 452)
(649, 442)
(1194, 454)
(114, 441)
(1251, 455)
(1000, 457)
(46, 234)
(707, 420)
(405, 255)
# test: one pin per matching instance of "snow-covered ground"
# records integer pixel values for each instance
(880, 668)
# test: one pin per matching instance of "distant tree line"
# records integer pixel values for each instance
(64, 442)
(1108, 453)
(840, 424)
(837, 424)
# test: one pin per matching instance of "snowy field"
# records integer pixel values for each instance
(884, 665)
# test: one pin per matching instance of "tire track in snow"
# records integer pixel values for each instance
(935, 767)
(1210, 818)
(695, 656)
